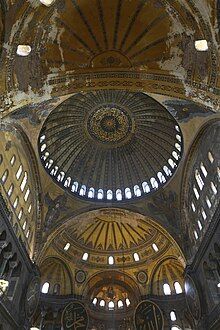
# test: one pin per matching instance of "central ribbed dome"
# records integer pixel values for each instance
(110, 145)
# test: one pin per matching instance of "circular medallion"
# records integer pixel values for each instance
(109, 123)
(192, 297)
(74, 316)
(148, 316)
(80, 276)
(142, 277)
(32, 297)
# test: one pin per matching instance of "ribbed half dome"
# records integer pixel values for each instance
(110, 145)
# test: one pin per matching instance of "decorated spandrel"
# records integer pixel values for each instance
(192, 297)
(74, 317)
(148, 316)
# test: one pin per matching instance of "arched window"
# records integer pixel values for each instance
(199, 180)
(154, 183)
(145, 187)
(167, 171)
(49, 163)
(1, 159)
(173, 316)
(20, 214)
(12, 161)
(172, 163)
(5, 176)
(214, 189)
(95, 300)
(67, 182)
(15, 204)
(43, 147)
(136, 256)
(203, 169)
(24, 225)
(193, 207)
(19, 171)
(128, 193)
(155, 247)
(118, 195)
(54, 170)
(28, 233)
(85, 256)
(24, 181)
(111, 260)
(203, 214)
(10, 190)
(45, 287)
(66, 247)
(102, 303)
(27, 194)
(175, 327)
(166, 289)
(109, 195)
(137, 191)
(196, 193)
(82, 191)
(161, 177)
(178, 137)
(196, 234)
(91, 193)
(56, 289)
(175, 155)
(60, 176)
(100, 194)
(42, 138)
(75, 186)
(127, 301)
(210, 157)
(208, 202)
(120, 304)
(29, 208)
(199, 225)
(177, 288)
(178, 146)
(111, 305)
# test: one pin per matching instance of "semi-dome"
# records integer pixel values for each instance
(110, 145)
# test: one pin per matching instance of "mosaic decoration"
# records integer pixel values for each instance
(75, 317)
(148, 316)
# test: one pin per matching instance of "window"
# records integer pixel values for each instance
(199, 225)
(161, 177)
(74, 186)
(54, 170)
(29, 208)
(127, 301)
(82, 191)
(218, 285)
(118, 195)
(15, 204)
(67, 182)
(155, 247)
(173, 316)
(102, 303)
(196, 193)
(91, 193)
(24, 225)
(109, 194)
(175, 155)
(60, 176)
(100, 194)
(208, 202)
(111, 260)
(196, 234)
(42, 138)
(49, 163)
(178, 146)
(12, 161)
(120, 304)
(28, 233)
(43, 147)
(177, 288)
(175, 327)
(178, 137)
(214, 189)
(166, 289)
(172, 163)
(203, 169)
(154, 183)
(47, 2)
(210, 157)
(10, 190)
(85, 256)
(136, 257)
(27, 194)
(167, 171)
(199, 180)
(66, 247)
(145, 187)
(111, 305)
(177, 128)
(203, 214)
(128, 193)
(20, 214)
(5, 176)
(193, 207)
(23, 50)
(45, 287)
(137, 191)
(95, 300)
(24, 181)
(201, 45)
(56, 289)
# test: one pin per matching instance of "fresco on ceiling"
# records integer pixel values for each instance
(35, 113)
(183, 110)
